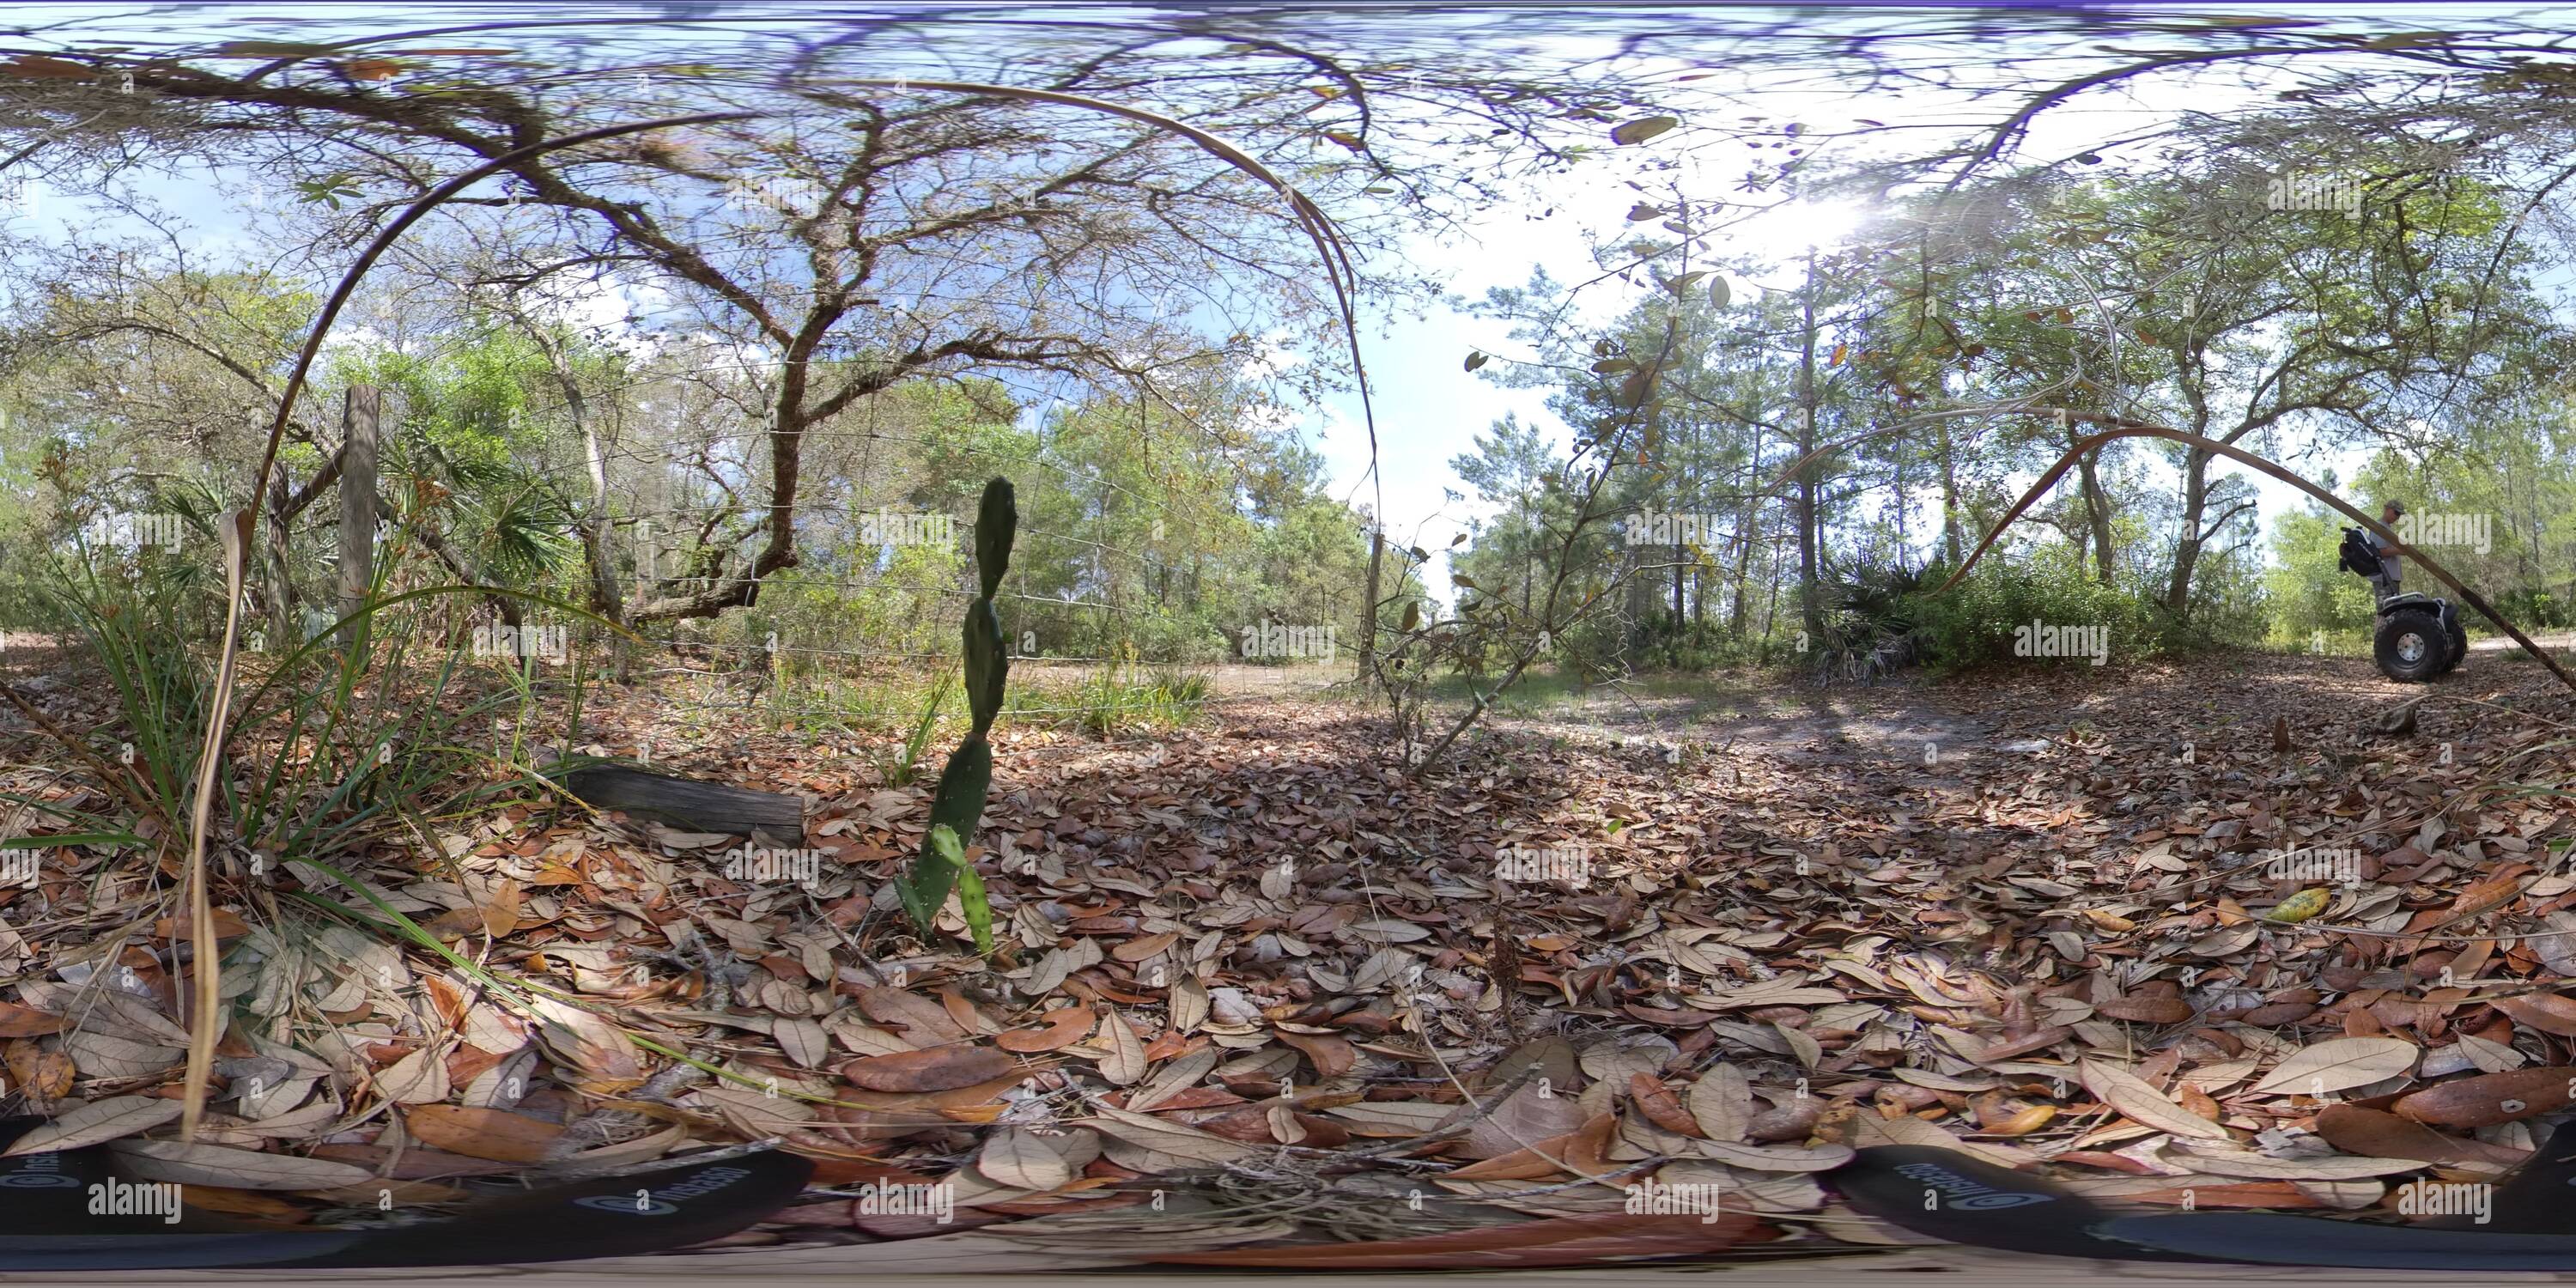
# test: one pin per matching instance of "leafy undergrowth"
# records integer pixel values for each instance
(1245, 995)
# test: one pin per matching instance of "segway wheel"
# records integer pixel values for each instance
(2459, 646)
(2412, 647)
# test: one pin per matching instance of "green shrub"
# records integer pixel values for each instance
(332, 748)
(897, 768)
(1974, 622)
(2533, 609)
(1125, 695)
(1668, 643)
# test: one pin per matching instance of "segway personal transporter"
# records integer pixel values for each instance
(2414, 636)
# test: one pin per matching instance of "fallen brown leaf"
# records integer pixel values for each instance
(496, 1134)
(2488, 1099)
(940, 1068)
(1062, 1029)
(1331, 1056)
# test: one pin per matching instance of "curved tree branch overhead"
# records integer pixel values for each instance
(1021, 239)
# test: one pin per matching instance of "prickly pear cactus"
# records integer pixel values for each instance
(959, 803)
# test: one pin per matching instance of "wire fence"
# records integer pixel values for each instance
(1108, 706)
(866, 617)
(1129, 689)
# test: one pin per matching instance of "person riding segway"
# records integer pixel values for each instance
(2414, 636)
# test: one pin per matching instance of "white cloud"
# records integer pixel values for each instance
(604, 306)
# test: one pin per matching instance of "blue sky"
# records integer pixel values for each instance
(1429, 409)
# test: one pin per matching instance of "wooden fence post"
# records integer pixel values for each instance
(1368, 618)
(282, 623)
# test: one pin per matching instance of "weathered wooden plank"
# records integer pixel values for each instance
(688, 803)
(358, 498)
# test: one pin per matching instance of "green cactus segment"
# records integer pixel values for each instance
(997, 524)
(970, 885)
(958, 804)
(955, 807)
(908, 888)
(988, 663)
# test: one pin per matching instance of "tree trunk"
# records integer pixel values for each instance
(1744, 521)
(358, 504)
(1368, 620)
(2195, 502)
(605, 598)
(1679, 551)
(2097, 508)
(1678, 571)
(1641, 603)
(1953, 547)
(741, 587)
(1810, 611)
(1743, 573)
(1771, 605)
(282, 629)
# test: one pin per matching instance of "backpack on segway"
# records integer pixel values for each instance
(2414, 636)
